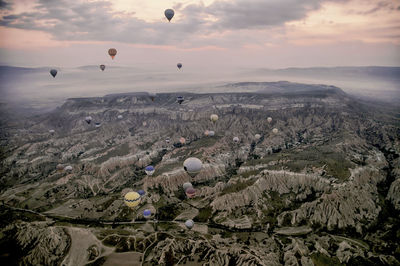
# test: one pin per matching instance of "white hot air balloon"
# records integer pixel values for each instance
(275, 131)
(192, 166)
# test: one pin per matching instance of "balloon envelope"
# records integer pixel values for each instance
(52, 131)
(132, 199)
(269, 119)
(214, 118)
(206, 133)
(179, 65)
(236, 140)
(141, 192)
(120, 117)
(68, 168)
(53, 72)
(189, 224)
(182, 140)
(192, 166)
(88, 119)
(275, 131)
(187, 185)
(169, 14)
(211, 133)
(146, 213)
(149, 170)
(102, 67)
(190, 192)
(257, 136)
(112, 52)
(180, 99)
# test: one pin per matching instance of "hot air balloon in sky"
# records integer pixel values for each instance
(236, 140)
(179, 65)
(213, 118)
(88, 119)
(169, 14)
(189, 224)
(112, 52)
(149, 170)
(141, 192)
(275, 131)
(102, 67)
(269, 119)
(147, 214)
(190, 192)
(53, 72)
(187, 185)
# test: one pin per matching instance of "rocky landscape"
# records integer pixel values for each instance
(324, 190)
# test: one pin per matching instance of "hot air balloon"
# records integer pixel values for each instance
(179, 65)
(167, 140)
(236, 140)
(88, 119)
(97, 124)
(211, 133)
(275, 131)
(192, 166)
(68, 168)
(120, 117)
(269, 119)
(53, 72)
(149, 170)
(186, 185)
(112, 52)
(180, 99)
(189, 224)
(206, 133)
(152, 96)
(190, 192)
(60, 167)
(144, 123)
(141, 192)
(102, 67)
(214, 118)
(132, 199)
(182, 140)
(257, 136)
(169, 14)
(52, 131)
(146, 214)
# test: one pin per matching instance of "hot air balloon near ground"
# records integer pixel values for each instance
(257, 136)
(149, 170)
(190, 192)
(206, 133)
(68, 168)
(236, 140)
(60, 167)
(112, 52)
(275, 131)
(211, 133)
(269, 119)
(192, 166)
(52, 131)
(189, 224)
(180, 99)
(102, 67)
(147, 214)
(141, 192)
(182, 140)
(187, 185)
(132, 199)
(97, 124)
(53, 72)
(179, 65)
(88, 119)
(168, 140)
(120, 117)
(214, 118)
(169, 14)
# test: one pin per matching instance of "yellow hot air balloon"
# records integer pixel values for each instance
(132, 199)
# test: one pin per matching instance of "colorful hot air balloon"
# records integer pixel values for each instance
(169, 14)
(275, 131)
(112, 52)
(269, 119)
(189, 224)
(102, 67)
(192, 166)
(236, 140)
(190, 192)
(149, 170)
(132, 199)
(206, 133)
(179, 65)
(141, 192)
(147, 214)
(182, 140)
(214, 118)
(53, 72)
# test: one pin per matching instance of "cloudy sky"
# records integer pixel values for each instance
(235, 33)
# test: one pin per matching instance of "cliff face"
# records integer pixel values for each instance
(332, 168)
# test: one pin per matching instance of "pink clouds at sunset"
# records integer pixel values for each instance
(268, 33)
